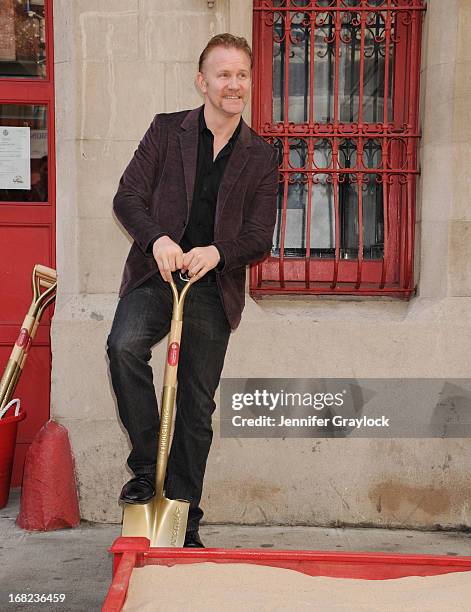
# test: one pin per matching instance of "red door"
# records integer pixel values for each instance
(27, 196)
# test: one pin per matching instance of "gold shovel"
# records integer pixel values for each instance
(46, 278)
(163, 521)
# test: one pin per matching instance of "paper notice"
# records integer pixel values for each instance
(15, 165)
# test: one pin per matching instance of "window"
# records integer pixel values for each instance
(34, 188)
(336, 92)
(22, 39)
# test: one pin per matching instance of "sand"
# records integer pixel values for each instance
(231, 587)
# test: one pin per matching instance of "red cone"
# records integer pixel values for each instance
(49, 494)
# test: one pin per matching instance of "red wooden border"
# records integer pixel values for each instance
(135, 552)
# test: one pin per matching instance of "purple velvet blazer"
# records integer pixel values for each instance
(155, 194)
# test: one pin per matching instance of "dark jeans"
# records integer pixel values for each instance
(142, 319)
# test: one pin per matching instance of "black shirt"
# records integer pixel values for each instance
(200, 228)
(209, 173)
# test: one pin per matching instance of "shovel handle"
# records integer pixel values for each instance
(47, 276)
(42, 277)
(45, 272)
(174, 337)
(170, 384)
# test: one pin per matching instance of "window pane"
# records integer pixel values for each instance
(323, 217)
(372, 203)
(294, 82)
(22, 39)
(33, 117)
(324, 68)
(295, 223)
(298, 78)
(278, 68)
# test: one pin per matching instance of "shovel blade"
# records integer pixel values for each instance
(138, 519)
(163, 521)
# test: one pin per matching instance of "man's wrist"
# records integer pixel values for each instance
(150, 248)
(221, 261)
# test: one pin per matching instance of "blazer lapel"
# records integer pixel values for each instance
(235, 166)
(189, 149)
(188, 138)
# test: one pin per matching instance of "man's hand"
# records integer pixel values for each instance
(168, 255)
(200, 260)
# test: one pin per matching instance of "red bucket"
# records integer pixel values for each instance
(8, 428)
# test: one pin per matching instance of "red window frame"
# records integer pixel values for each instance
(393, 273)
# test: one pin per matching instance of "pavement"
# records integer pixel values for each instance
(76, 562)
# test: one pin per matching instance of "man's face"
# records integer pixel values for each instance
(225, 80)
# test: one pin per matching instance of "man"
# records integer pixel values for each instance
(198, 196)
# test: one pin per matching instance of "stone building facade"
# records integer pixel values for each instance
(117, 63)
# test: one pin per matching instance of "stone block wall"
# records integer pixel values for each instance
(117, 64)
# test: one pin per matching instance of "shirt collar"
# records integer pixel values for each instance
(203, 126)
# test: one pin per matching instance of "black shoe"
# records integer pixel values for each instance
(193, 540)
(138, 490)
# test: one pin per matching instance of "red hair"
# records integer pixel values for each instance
(229, 41)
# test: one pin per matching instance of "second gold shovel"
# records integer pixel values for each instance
(163, 521)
